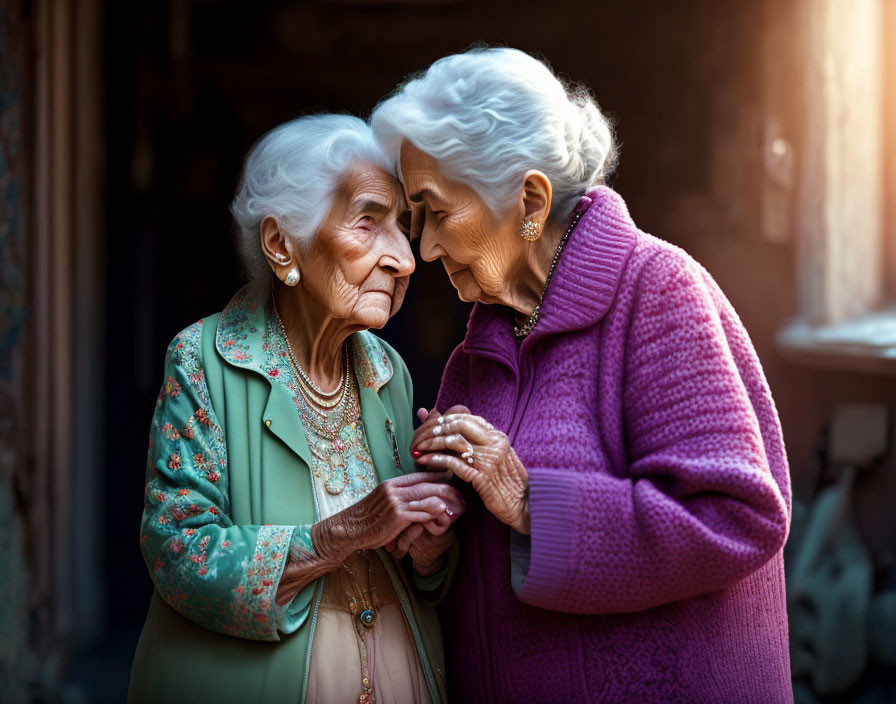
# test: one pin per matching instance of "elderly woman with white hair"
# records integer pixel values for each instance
(279, 473)
(627, 489)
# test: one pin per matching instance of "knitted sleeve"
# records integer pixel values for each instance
(699, 507)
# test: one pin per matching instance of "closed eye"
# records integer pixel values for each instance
(437, 215)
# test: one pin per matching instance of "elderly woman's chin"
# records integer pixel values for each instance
(374, 309)
(467, 289)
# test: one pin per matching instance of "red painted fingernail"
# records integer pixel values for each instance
(416, 454)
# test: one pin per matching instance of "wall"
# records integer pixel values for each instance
(190, 85)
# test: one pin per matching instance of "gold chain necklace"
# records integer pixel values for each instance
(327, 447)
(317, 404)
(340, 405)
(364, 616)
(309, 389)
(521, 331)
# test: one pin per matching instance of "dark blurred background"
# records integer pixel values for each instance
(756, 134)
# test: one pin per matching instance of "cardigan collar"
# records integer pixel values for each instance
(582, 288)
(248, 336)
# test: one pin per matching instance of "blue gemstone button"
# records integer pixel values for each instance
(367, 617)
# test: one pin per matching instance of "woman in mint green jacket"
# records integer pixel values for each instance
(296, 554)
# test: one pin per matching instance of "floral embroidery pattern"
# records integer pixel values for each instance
(220, 575)
(372, 365)
(171, 388)
(242, 323)
(257, 590)
(235, 326)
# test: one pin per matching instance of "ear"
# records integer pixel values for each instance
(278, 248)
(536, 197)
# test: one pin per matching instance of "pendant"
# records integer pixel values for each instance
(338, 479)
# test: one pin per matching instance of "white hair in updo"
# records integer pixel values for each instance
(292, 174)
(488, 115)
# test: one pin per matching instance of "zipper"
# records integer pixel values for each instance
(418, 641)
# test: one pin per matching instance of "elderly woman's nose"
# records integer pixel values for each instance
(397, 257)
(430, 249)
(398, 266)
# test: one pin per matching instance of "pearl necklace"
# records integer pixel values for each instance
(310, 390)
(521, 331)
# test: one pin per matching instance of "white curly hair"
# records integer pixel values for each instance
(488, 115)
(292, 174)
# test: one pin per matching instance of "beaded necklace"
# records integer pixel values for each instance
(325, 419)
(324, 399)
(521, 331)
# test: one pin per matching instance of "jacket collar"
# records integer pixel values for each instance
(248, 337)
(582, 288)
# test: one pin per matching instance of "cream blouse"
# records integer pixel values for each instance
(350, 661)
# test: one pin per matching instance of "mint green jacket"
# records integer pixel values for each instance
(228, 489)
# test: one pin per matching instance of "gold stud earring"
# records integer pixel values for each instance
(530, 230)
(292, 278)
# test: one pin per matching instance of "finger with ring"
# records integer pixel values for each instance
(460, 468)
(455, 442)
(468, 426)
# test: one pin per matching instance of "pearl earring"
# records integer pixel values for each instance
(530, 230)
(292, 278)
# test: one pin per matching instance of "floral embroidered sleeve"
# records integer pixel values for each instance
(221, 576)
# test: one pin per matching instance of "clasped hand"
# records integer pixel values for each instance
(394, 506)
(397, 513)
(476, 452)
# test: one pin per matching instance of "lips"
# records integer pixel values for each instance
(456, 270)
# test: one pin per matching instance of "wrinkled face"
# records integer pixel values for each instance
(360, 260)
(480, 250)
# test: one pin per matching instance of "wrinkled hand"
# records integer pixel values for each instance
(427, 542)
(375, 521)
(496, 472)
(428, 421)
(383, 514)
(426, 549)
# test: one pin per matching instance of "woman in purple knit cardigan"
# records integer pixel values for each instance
(626, 482)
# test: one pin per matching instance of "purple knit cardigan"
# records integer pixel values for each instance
(659, 489)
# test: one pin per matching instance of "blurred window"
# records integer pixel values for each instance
(845, 246)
